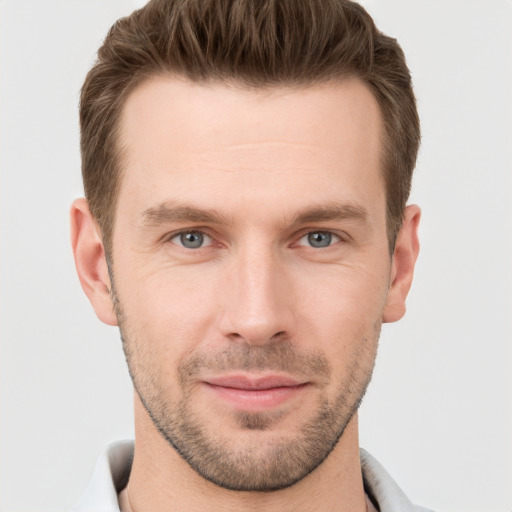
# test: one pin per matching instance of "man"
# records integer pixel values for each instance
(246, 166)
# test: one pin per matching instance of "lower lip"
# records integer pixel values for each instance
(255, 400)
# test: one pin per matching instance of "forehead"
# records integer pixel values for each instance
(229, 113)
(216, 137)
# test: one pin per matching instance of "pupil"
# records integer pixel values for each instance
(192, 240)
(319, 239)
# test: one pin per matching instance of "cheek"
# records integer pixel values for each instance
(342, 307)
(345, 289)
(169, 308)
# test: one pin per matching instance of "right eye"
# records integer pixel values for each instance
(191, 239)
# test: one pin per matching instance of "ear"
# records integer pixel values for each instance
(90, 261)
(404, 259)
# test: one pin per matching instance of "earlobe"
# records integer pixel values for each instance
(90, 261)
(404, 259)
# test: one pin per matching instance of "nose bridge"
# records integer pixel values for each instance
(257, 308)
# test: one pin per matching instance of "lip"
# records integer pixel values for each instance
(254, 383)
(255, 394)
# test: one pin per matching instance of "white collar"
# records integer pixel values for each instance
(113, 470)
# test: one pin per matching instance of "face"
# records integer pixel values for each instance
(251, 270)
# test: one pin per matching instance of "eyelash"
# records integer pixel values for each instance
(189, 232)
(331, 235)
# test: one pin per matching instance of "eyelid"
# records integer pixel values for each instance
(340, 236)
(169, 237)
(335, 238)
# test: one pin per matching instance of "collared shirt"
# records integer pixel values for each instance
(113, 470)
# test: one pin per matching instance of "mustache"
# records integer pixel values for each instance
(279, 356)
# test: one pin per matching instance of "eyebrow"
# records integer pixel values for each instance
(332, 212)
(169, 212)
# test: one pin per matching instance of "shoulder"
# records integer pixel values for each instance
(382, 489)
(110, 476)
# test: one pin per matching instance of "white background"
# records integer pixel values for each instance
(439, 411)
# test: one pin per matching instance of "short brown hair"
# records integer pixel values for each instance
(257, 43)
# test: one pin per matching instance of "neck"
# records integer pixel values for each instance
(160, 479)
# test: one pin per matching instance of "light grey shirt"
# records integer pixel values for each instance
(113, 470)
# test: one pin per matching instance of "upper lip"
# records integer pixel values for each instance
(253, 383)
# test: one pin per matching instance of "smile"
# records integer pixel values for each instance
(255, 394)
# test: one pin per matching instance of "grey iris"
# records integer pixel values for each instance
(319, 239)
(192, 239)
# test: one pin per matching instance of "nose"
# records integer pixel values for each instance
(258, 298)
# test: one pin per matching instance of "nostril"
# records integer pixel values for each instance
(257, 339)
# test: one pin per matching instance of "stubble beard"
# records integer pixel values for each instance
(265, 464)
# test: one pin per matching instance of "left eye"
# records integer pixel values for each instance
(191, 239)
(319, 239)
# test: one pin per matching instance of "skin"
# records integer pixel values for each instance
(270, 167)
